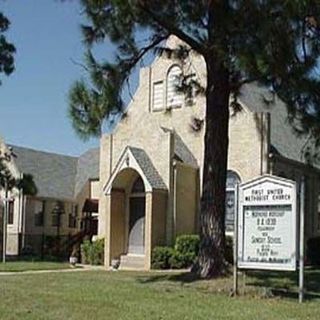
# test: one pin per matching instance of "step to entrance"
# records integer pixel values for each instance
(131, 262)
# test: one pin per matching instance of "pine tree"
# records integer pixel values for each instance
(7, 49)
(275, 43)
(90, 105)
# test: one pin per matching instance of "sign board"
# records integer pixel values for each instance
(267, 224)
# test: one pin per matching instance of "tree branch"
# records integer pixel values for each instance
(132, 62)
(167, 25)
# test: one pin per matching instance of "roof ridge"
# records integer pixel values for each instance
(43, 151)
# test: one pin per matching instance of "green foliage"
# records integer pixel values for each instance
(92, 104)
(181, 260)
(6, 178)
(188, 244)
(92, 252)
(85, 251)
(27, 185)
(274, 43)
(313, 251)
(7, 49)
(160, 257)
(181, 256)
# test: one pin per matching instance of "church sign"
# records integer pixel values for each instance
(267, 224)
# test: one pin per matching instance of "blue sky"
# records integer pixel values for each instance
(33, 100)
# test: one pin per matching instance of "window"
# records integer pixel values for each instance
(157, 96)
(39, 213)
(174, 97)
(72, 221)
(73, 217)
(57, 212)
(55, 220)
(232, 180)
(10, 212)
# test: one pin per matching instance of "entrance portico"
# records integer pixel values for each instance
(136, 202)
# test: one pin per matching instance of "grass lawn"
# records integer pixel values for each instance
(19, 266)
(130, 295)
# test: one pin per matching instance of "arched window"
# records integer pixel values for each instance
(232, 180)
(138, 186)
(174, 78)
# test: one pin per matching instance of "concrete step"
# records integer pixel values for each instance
(132, 262)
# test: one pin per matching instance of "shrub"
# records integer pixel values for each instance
(92, 252)
(182, 255)
(187, 244)
(313, 251)
(160, 257)
(27, 251)
(97, 252)
(181, 261)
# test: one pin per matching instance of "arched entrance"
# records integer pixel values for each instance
(135, 211)
(136, 232)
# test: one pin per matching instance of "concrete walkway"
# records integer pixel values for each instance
(86, 267)
(78, 268)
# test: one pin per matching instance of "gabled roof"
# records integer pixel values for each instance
(87, 168)
(58, 176)
(148, 168)
(138, 160)
(183, 152)
(284, 141)
(54, 174)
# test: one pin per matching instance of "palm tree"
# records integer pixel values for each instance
(91, 104)
(27, 185)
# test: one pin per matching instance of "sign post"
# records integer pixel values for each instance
(301, 239)
(235, 244)
(267, 224)
(266, 228)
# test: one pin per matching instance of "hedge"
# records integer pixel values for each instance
(184, 253)
(92, 252)
(313, 251)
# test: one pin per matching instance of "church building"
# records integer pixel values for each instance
(151, 165)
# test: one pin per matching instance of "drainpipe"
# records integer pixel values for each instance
(271, 163)
(174, 191)
(23, 222)
(170, 218)
(261, 144)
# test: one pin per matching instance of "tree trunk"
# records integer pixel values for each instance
(211, 260)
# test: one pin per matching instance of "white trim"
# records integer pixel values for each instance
(126, 161)
(260, 182)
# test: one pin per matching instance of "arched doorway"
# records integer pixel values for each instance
(137, 204)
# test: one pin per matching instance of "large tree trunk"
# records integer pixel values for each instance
(211, 260)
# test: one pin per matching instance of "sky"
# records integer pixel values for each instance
(33, 100)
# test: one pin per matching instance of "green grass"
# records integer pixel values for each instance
(19, 266)
(130, 295)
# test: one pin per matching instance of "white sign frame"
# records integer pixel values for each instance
(261, 190)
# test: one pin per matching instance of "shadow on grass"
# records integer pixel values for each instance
(183, 277)
(262, 283)
(285, 284)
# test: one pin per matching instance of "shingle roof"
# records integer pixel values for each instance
(58, 176)
(183, 152)
(150, 172)
(87, 168)
(284, 141)
(54, 174)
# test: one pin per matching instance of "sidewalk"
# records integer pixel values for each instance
(78, 268)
